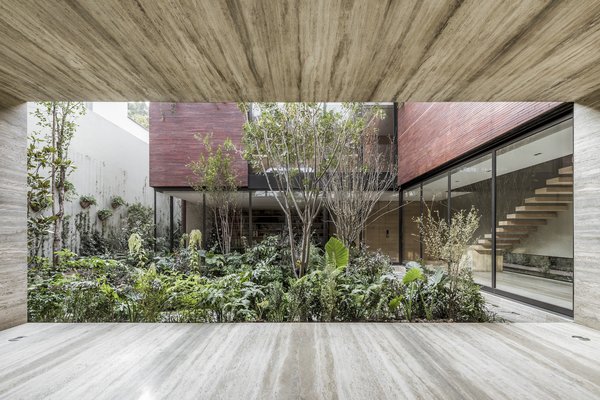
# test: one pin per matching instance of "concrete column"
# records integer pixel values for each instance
(586, 124)
(13, 216)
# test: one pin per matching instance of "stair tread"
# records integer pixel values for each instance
(504, 239)
(549, 199)
(555, 190)
(530, 208)
(520, 229)
(528, 222)
(566, 170)
(538, 215)
(561, 181)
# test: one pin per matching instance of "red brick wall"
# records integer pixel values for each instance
(172, 141)
(431, 134)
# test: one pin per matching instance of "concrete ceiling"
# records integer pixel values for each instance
(337, 50)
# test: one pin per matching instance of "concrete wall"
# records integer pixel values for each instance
(13, 216)
(586, 120)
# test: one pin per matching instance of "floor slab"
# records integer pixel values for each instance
(300, 361)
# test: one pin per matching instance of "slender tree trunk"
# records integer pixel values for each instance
(293, 257)
(55, 237)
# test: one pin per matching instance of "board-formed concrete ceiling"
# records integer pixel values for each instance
(324, 50)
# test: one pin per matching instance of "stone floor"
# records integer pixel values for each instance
(300, 361)
(547, 290)
(508, 310)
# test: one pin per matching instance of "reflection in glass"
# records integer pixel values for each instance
(411, 209)
(435, 198)
(381, 232)
(534, 194)
(471, 187)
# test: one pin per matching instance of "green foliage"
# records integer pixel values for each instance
(254, 286)
(336, 253)
(215, 175)
(104, 214)
(412, 275)
(195, 239)
(86, 201)
(140, 220)
(48, 170)
(116, 202)
(138, 112)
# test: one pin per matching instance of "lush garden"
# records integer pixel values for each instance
(192, 285)
(315, 158)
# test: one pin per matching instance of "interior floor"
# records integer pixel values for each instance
(300, 360)
(546, 290)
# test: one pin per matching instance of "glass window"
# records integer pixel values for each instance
(435, 198)
(472, 187)
(411, 209)
(381, 232)
(534, 214)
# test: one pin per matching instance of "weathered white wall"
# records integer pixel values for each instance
(116, 112)
(13, 217)
(111, 161)
(586, 124)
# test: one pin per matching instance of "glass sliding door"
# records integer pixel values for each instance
(534, 214)
(471, 186)
(411, 209)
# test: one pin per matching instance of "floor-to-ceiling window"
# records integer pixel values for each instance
(410, 209)
(526, 217)
(534, 194)
(471, 185)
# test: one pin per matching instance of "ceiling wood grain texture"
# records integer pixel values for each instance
(336, 50)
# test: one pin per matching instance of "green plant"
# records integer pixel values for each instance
(254, 286)
(214, 174)
(140, 220)
(448, 242)
(413, 280)
(195, 239)
(104, 214)
(87, 201)
(116, 202)
(336, 253)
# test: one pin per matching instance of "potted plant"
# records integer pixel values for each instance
(104, 214)
(86, 201)
(117, 202)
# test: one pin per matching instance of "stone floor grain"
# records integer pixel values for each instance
(300, 361)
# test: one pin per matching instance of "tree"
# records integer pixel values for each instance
(297, 146)
(448, 243)
(215, 175)
(365, 173)
(39, 194)
(57, 125)
(138, 113)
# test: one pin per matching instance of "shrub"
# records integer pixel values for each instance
(254, 286)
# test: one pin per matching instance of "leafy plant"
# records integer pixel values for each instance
(116, 202)
(336, 253)
(104, 214)
(87, 201)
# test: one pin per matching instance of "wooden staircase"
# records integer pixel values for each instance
(536, 211)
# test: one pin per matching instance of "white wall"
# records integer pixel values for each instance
(116, 112)
(111, 161)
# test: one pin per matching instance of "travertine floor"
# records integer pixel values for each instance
(300, 361)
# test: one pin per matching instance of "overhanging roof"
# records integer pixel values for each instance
(210, 50)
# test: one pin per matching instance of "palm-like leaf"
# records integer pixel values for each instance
(336, 253)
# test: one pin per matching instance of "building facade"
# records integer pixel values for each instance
(513, 162)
